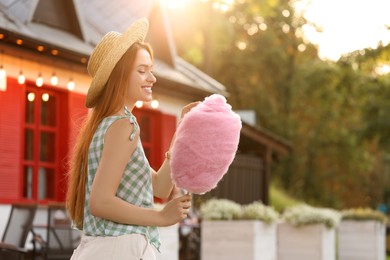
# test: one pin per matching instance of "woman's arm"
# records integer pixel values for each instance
(162, 181)
(103, 201)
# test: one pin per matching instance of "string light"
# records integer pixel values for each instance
(45, 97)
(3, 78)
(71, 84)
(154, 104)
(3, 75)
(54, 79)
(139, 104)
(31, 96)
(21, 78)
(39, 81)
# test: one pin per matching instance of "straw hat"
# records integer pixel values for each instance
(107, 53)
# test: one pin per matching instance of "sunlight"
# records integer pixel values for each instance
(346, 25)
(241, 45)
(382, 69)
(176, 4)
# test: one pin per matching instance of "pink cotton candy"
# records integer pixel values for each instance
(206, 144)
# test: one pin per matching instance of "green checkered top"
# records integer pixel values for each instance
(135, 186)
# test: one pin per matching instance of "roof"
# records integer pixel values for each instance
(265, 138)
(77, 25)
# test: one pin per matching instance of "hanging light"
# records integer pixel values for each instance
(45, 97)
(3, 74)
(154, 104)
(3, 78)
(71, 84)
(39, 80)
(139, 104)
(31, 96)
(54, 79)
(21, 78)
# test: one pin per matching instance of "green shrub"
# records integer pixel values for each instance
(305, 215)
(224, 209)
(220, 209)
(364, 214)
(259, 211)
(280, 200)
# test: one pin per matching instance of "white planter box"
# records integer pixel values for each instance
(311, 242)
(238, 239)
(361, 240)
(169, 249)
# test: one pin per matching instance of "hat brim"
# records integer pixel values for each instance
(135, 33)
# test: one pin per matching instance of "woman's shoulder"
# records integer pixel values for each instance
(120, 127)
(120, 124)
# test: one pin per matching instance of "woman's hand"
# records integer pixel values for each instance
(187, 108)
(184, 111)
(176, 210)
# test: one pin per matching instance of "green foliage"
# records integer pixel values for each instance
(280, 200)
(258, 211)
(220, 209)
(334, 113)
(306, 215)
(364, 214)
(223, 209)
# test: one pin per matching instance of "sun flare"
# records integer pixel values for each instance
(176, 4)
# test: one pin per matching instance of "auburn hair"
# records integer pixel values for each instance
(109, 102)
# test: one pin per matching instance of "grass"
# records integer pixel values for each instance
(280, 200)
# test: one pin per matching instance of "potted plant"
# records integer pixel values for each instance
(232, 231)
(307, 232)
(362, 234)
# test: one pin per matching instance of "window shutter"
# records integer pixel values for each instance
(11, 118)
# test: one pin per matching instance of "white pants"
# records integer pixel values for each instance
(129, 247)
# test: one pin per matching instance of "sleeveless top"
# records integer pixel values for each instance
(135, 186)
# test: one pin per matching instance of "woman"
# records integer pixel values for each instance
(111, 185)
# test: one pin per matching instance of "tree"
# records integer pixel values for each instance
(334, 113)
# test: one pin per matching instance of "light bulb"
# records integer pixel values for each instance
(154, 104)
(21, 78)
(3, 73)
(3, 79)
(54, 80)
(31, 97)
(39, 81)
(45, 97)
(139, 104)
(71, 85)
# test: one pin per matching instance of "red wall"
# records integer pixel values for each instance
(11, 118)
(72, 112)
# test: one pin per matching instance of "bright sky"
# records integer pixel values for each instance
(348, 25)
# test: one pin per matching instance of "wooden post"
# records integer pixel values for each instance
(267, 160)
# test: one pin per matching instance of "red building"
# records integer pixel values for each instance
(38, 124)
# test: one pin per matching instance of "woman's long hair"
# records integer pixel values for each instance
(110, 101)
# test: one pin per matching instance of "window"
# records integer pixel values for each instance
(157, 130)
(148, 122)
(40, 144)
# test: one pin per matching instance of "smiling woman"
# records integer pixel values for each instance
(111, 183)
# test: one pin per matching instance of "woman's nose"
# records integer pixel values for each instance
(151, 77)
